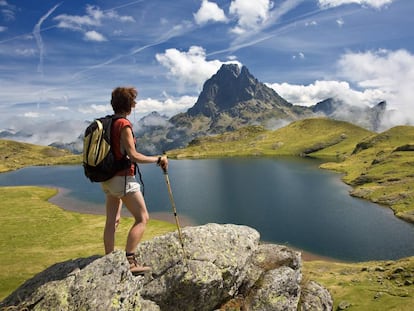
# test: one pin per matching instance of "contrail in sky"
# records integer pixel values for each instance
(174, 32)
(38, 37)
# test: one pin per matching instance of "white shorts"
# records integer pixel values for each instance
(118, 186)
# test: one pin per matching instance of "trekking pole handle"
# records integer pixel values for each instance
(159, 163)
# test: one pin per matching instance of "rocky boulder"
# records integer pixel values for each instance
(221, 265)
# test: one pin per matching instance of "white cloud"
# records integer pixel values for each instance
(7, 10)
(152, 120)
(94, 36)
(308, 95)
(3, 28)
(209, 11)
(299, 55)
(25, 52)
(63, 131)
(75, 22)
(61, 108)
(381, 75)
(373, 3)
(31, 114)
(382, 68)
(94, 17)
(390, 71)
(169, 106)
(189, 68)
(340, 22)
(311, 23)
(95, 109)
(8, 14)
(251, 14)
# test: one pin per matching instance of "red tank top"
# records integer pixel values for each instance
(117, 127)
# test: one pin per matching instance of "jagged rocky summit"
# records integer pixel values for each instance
(224, 265)
(238, 93)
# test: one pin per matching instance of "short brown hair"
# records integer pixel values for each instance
(123, 99)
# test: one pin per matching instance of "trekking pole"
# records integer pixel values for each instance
(167, 181)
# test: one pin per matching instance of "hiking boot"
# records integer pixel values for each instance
(136, 268)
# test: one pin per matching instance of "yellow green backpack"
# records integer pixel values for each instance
(99, 161)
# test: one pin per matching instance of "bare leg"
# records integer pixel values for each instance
(136, 205)
(113, 215)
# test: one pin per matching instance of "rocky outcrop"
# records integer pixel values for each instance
(221, 264)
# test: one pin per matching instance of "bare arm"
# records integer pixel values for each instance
(127, 141)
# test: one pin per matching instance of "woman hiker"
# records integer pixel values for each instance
(123, 188)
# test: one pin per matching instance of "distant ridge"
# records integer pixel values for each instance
(15, 155)
(367, 117)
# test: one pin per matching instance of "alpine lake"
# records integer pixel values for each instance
(288, 200)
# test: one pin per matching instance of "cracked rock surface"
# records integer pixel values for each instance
(219, 263)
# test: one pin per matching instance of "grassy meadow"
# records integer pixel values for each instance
(366, 286)
(35, 234)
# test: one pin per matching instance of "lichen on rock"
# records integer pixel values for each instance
(220, 263)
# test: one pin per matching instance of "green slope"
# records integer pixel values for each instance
(319, 137)
(381, 169)
(15, 155)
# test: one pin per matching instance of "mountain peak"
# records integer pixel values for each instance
(229, 87)
(229, 70)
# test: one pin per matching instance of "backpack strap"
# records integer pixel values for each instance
(136, 167)
(140, 178)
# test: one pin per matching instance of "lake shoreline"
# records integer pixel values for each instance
(73, 205)
(70, 204)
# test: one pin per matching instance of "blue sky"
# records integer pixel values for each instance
(60, 60)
